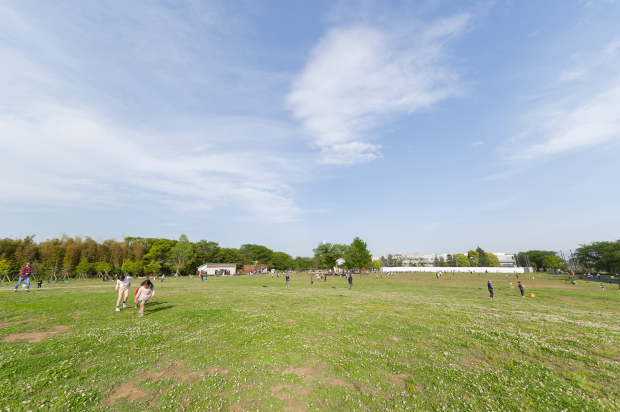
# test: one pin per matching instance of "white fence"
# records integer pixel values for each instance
(456, 269)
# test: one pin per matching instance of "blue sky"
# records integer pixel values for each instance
(430, 127)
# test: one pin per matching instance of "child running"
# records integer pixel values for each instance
(350, 281)
(287, 279)
(122, 288)
(144, 293)
(521, 288)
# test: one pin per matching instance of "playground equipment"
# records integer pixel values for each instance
(51, 278)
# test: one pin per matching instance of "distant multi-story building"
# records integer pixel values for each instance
(415, 259)
(506, 261)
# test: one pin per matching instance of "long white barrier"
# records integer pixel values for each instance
(456, 269)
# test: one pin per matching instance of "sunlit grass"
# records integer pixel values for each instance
(408, 342)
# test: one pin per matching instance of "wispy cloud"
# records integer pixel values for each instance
(92, 120)
(478, 143)
(579, 110)
(560, 130)
(359, 76)
(68, 156)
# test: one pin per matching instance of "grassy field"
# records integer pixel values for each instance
(407, 342)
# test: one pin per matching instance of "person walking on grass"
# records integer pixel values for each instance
(350, 281)
(24, 276)
(143, 294)
(287, 279)
(162, 278)
(490, 287)
(522, 289)
(311, 281)
(122, 288)
(39, 283)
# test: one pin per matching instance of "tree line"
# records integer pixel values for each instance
(135, 255)
(353, 256)
(596, 256)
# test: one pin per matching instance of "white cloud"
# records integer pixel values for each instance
(478, 143)
(62, 157)
(559, 130)
(596, 60)
(109, 106)
(350, 153)
(358, 77)
(574, 111)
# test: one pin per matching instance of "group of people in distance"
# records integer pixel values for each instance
(146, 291)
(142, 295)
(520, 285)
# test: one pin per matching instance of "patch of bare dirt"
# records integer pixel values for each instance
(214, 369)
(290, 321)
(399, 380)
(129, 391)
(476, 363)
(312, 373)
(36, 336)
(5, 324)
(294, 403)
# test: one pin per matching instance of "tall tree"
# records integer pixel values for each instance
(103, 267)
(473, 257)
(152, 268)
(207, 252)
(256, 253)
(180, 255)
(601, 256)
(536, 257)
(231, 255)
(159, 252)
(462, 260)
(131, 266)
(553, 262)
(84, 267)
(281, 260)
(492, 260)
(483, 259)
(358, 256)
(326, 254)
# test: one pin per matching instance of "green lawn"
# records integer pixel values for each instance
(407, 342)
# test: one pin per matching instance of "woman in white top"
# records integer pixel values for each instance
(122, 287)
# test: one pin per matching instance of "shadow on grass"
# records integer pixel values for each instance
(153, 307)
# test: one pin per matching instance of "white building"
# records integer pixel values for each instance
(415, 259)
(506, 261)
(220, 269)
